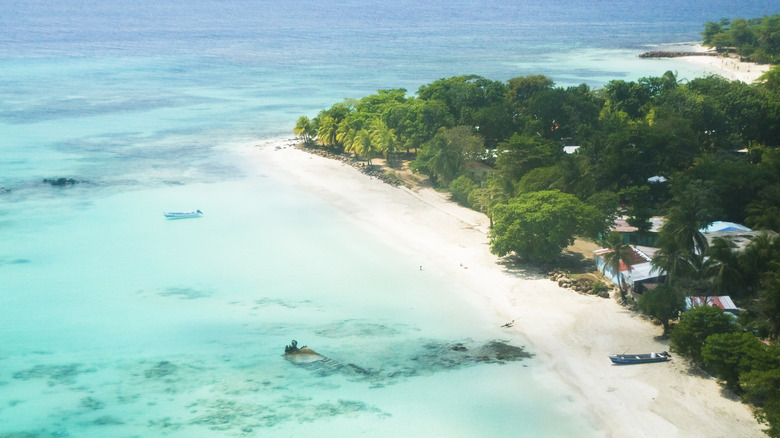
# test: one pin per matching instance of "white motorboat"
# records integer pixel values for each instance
(182, 214)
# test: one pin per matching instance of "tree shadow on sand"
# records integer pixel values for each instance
(519, 268)
(571, 262)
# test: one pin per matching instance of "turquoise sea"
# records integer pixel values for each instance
(115, 322)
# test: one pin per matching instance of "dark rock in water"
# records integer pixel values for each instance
(60, 181)
(459, 347)
(292, 348)
(301, 355)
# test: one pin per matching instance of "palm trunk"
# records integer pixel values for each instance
(622, 287)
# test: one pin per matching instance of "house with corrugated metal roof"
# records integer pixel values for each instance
(739, 235)
(643, 275)
(631, 233)
(723, 301)
(638, 277)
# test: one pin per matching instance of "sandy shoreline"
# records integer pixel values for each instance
(572, 333)
(730, 68)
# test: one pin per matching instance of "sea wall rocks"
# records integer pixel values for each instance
(664, 54)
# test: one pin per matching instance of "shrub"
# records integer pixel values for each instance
(599, 287)
(696, 326)
(460, 189)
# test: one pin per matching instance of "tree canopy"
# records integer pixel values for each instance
(539, 225)
(757, 39)
(664, 303)
(696, 326)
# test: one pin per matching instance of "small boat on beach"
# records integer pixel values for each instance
(182, 214)
(629, 359)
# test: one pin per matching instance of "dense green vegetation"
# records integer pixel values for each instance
(488, 142)
(756, 40)
(498, 147)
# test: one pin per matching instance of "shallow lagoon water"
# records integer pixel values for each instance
(116, 322)
(125, 323)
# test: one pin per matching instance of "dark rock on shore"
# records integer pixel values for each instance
(663, 54)
(583, 285)
(60, 181)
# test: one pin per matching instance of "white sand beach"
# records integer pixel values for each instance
(730, 68)
(572, 333)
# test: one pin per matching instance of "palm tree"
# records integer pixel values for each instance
(446, 162)
(487, 197)
(760, 256)
(346, 137)
(725, 265)
(384, 138)
(670, 262)
(700, 275)
(363, 146)
(683, 224)
(305, 129)
(570, 175)
(765, 213)
(618, 253)
(328, 131)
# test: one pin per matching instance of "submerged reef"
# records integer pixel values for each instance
(187, 394)
(230, 414)
(282, 303)
(32, 434)
(185, 293)
(92, 404)
(360, 328)
(430, 357)
(161, 369)
(54, 374)
(107, 420)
